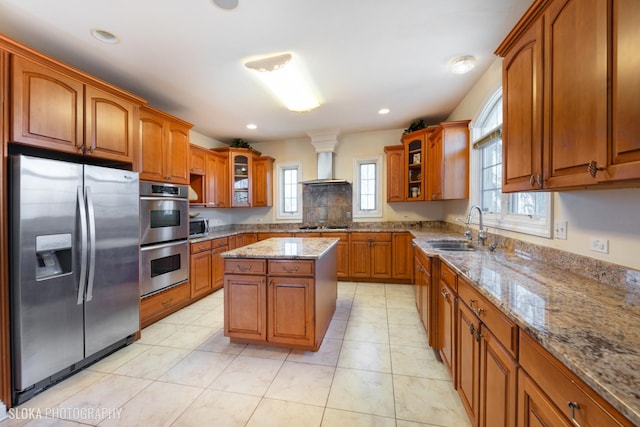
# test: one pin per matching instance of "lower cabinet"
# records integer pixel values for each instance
(426, 306)
(342, 253)
(446, 314)
(157, 306)
(200, 268)
(370, 255)
(402, 252)
(290, 310)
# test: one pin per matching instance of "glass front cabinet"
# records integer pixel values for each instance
(241, 178)
(415, 160)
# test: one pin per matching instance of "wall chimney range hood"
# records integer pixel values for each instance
(325, 143)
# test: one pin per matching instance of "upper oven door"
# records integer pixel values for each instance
(163, 219)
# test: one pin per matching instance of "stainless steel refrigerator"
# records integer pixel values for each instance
(74, 251)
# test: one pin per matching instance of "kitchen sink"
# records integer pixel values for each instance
(452, 245)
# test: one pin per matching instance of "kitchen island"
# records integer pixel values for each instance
(280, 292)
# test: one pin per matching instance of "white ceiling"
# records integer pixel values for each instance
(186, 56)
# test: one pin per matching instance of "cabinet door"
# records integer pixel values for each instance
(108, 126)
(245, 305)
(151, 146)
(455, 160)
(342, 252)
(534, 407)
(217, 264)
(290, 310)
(395, 173)
(217, 181)
(200, 273)
(446, 327)
(177, 153)
(402, 253)
(576, 121)
(468, 361)
(498, 390)
(417, 282)
(47, 107)
(434, 171)
(380, 260)
(415, 150)
(198, 161)
(263, 181)
(625, 144)
(522, 106)
(360, 255)
(427, 305)
(241, 173)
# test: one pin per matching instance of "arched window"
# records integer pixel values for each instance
(526, 212)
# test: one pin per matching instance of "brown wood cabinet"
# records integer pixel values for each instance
(287, 303)
(563, 130)
(424, 285)
(342, 250)
(395, 173)
(217, 181)
(164, 147)
(263, 181)
(55, 108)
(241, 174)
(402, 252)
(447, 297)
(267, 235)
(370, 255)
(415, 160)
(486, 360)
(448, 160)
(218, 246)
(198, 162)
(200, 269)
(551, 395)
(157, 306)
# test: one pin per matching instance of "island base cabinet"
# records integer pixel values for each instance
(535, 409)
(244, 307)
(290, 311)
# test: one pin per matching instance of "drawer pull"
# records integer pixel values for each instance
(573, 406)
(444, 293)
(244, 269)
(167, 302)
(475, 332)
(290, 270)
(476, 310)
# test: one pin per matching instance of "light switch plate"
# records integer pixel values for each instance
(560, 230)
(600, 245)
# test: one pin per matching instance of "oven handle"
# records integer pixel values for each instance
(160, 199)
(164, 245)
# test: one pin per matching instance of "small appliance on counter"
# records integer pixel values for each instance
(198, 227)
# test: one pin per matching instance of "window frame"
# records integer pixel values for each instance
(536, 225)
(377, 211)
(280, 170)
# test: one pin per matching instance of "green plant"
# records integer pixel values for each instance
(416, 125)
(239, 143)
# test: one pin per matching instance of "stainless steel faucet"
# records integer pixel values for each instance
(482, 233)
(467, 233)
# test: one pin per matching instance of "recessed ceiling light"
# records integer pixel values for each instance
(463, 64)
(104, 36)
(383, 111)
(226, 4)
(252, 126)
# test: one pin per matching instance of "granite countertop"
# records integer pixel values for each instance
(284, 248)
(594, 329)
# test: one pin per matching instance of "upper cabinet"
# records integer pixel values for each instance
(164, 147)
(55, 108)
(263, 181)
(566, 129)
(241, 174)
(431, 164)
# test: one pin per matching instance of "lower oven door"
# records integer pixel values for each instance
(163, 265)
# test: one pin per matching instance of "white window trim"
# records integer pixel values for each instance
(533, 225)
(280, 214)
(377, 212)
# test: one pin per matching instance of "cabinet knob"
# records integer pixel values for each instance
(535, 179)
(593, 168)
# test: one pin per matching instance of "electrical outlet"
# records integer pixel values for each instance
(600, 245)
(560, 230)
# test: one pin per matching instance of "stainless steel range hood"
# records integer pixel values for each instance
(325, 143)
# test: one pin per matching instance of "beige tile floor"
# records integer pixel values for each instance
(374, 368)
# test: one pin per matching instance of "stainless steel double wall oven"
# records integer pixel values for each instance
(164, 233)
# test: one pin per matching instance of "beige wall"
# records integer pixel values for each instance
(606, 214)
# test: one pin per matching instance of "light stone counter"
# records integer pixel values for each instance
(594, 329)
(284, 248)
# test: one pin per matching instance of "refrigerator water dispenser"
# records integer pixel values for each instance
(53, 255)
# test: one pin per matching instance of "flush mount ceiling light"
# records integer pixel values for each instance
(383, 111)
(104, 36)
(463, 64)
(252, 126)
(226, 4)
(285, 79)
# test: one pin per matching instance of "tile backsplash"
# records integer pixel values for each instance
(329, 204)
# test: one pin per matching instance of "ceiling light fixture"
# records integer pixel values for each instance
(226, 4)
(285, 79)
(463, 64)
(104, 36)
(252, 126)
(383, 111)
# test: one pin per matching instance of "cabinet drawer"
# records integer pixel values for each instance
(563, 386)
(373, 237)
(159, 305)
(502, 328)
(218, 243)
(245, 266)
(448, 276)
(425, 262)
(291, 268)
(200, 247)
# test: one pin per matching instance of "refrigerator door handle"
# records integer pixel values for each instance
(83, 246)
(92, 243)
